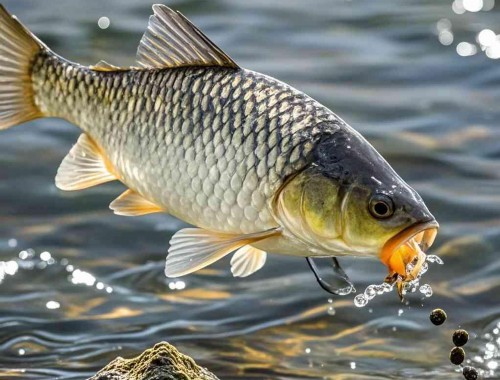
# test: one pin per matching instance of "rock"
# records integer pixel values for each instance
(162, 362)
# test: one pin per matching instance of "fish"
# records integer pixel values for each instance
(254, 165)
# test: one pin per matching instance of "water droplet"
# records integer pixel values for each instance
(353, 365)
(307, 350)
(426, 290)
(434, 259)
(12, 243)
(370, 292)
(360, 300)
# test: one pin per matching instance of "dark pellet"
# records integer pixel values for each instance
(470, 373)
(457, 355)
(460, 338)
(438, 316)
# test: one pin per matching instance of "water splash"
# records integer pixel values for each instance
(371, 291)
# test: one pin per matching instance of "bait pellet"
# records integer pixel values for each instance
(438, 316)
(470, 373)
(457, 355)
(460, 338)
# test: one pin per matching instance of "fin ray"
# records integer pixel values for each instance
(192, 249)
(171, 40)
(130, 203)
(84, 166)
(247, 260)
(18, 47)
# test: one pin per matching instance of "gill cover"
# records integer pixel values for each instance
(332, 204)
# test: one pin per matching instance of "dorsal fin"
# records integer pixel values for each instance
(105, 66)
(171, 40)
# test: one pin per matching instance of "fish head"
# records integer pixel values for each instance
(349, 201)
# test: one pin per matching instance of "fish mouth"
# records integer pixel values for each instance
(406, 247)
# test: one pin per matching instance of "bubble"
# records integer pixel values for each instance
(434, 259)
(370, 292)
(423, 269)
(307, 350)
(426, 290)
(12, 243)
(360, 300)
(104, 22)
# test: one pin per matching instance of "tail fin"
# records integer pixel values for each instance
(18, 49)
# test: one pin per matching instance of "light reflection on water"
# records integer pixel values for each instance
(384, 69)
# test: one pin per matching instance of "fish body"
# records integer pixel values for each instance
(210, 145)
(253, 163)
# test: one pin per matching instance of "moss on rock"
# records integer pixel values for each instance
(162, 362)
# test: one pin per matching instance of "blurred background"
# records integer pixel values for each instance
(419, 78)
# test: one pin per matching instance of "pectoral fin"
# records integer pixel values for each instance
(247, 260)
(132, 204)
(192, 249)
(84, 166)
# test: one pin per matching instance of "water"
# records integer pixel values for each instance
(379, 64)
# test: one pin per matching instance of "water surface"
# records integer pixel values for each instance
(379, 64)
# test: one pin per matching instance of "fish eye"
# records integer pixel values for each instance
(381, 206)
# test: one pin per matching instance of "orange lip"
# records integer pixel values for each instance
(396, 261)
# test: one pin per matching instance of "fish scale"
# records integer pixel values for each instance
(211, 145)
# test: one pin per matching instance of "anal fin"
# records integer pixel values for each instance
(192, 249)
(247, 260)
(84, 166)
(130, 203)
